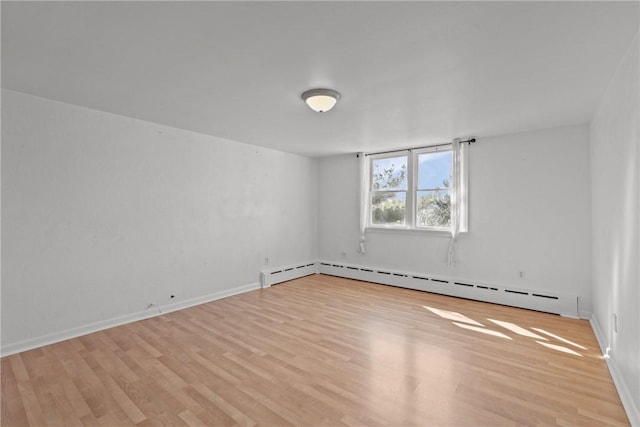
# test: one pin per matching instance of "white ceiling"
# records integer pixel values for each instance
(410, 73)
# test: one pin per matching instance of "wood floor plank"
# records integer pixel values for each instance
(32, 408)
(315, 351)
(12, 409)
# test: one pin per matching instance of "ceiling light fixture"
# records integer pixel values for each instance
(321, 100)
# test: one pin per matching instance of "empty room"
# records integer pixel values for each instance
(320, 213)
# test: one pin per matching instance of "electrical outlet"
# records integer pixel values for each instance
(343, 254)
(521, 274)
(266, 260)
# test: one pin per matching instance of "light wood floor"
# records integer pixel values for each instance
(320, 351)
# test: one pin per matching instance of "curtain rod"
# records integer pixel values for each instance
(468, 141)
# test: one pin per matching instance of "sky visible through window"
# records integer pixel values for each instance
(433, 169)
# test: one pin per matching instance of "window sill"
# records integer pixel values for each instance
(405, 230)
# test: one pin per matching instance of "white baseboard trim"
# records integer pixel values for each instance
(602, 342)
(628, 403)
(56, 337)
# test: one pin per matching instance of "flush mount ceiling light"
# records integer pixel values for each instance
(321, 100)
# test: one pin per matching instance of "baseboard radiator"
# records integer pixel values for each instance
(283, 274)
(546, 301)
(550, 302)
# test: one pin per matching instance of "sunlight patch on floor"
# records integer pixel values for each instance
(464, 322)
(566, 341)
(559, 348)
(452, 315)
(517, 329)
(482, 330)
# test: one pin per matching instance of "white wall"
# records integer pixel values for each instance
(615, 162)
(103, 214)
(529, 210)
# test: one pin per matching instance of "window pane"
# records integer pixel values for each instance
(434, 170)
(389, 173)
(388, 207)
(433, 209)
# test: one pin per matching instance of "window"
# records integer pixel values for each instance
(389, 185)
(415, 189)
(433, 189)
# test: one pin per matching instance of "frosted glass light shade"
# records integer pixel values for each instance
(321, 100)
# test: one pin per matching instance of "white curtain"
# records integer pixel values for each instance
(463, 187)
(458, 197)
(363, 166)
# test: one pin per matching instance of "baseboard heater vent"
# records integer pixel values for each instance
(486, 288)
(272, 277)
(511, 291)
(550, 302)
(544, 296)
(469, 285)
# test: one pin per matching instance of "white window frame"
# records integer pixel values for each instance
(412, 190)
(408, 199)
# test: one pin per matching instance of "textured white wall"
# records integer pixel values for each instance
(615, 163)
(103, 214)
(529, 210)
